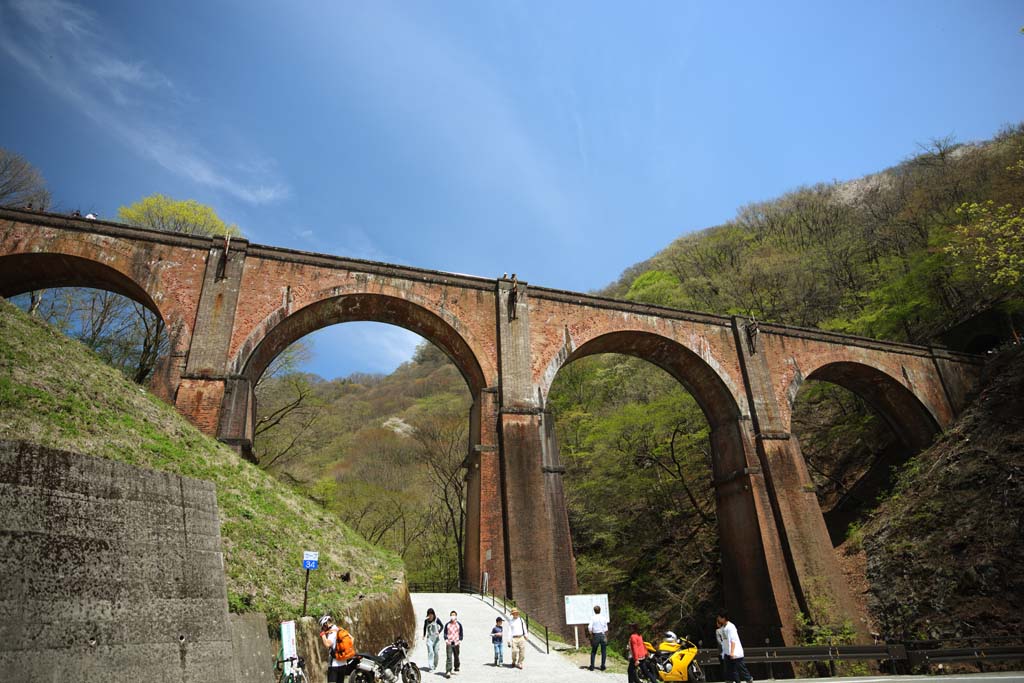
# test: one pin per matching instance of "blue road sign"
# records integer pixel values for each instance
(310, 559)
(310, 564)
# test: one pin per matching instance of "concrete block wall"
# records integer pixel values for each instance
(108, 572)
(254, 653)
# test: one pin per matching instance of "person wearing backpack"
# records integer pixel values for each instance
(432, 629)
(341, 650)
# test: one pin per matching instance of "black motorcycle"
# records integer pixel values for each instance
(390, 665)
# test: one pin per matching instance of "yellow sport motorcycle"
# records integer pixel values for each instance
(674, 659)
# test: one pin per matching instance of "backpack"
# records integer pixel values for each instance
(344, 649)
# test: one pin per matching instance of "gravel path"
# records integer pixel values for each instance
(477, 619)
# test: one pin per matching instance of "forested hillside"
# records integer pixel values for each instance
(384, 453)
(908, 254)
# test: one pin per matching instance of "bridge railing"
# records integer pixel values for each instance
(532, 625)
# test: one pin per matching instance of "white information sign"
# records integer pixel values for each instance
(579, 609)
(288, 645)
(310, 559)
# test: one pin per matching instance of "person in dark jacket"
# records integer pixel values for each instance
(452, 641)
(432, 630)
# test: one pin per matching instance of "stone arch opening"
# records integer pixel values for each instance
(256, 355)
(21, 273)
(95, 303)
(884, 425)
(394, 442)
(693, 372)
(710, 506)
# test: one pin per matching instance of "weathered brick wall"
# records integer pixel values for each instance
(108, 572)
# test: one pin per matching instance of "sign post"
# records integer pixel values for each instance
(310, 560)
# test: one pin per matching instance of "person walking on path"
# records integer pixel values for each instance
(517, 629)
(498, 640)
(452, 640)
(598, 630)
(432, 629)
(732, 651)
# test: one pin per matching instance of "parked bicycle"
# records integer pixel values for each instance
(298, 672)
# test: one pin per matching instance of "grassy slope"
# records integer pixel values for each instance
(55, 392)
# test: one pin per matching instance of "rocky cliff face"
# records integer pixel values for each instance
(945, 551)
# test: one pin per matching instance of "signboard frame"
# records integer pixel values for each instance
(579, 609)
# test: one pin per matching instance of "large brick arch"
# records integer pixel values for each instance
(904, 412)
(280, 329)
(689, 369)
(129, 274)
(20, 273)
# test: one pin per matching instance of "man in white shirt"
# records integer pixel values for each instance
(517, 629)
(598, 630)
(732, 651)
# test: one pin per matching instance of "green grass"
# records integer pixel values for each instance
(55, 392)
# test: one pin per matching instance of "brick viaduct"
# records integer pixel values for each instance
(231, 308)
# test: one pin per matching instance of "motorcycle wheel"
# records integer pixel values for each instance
(410, 673)
(360, 676)
(695, 673)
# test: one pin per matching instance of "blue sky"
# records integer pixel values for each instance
(563, 141)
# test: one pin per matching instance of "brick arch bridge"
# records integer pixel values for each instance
(230, 307)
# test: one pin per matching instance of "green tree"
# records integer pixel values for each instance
(656, 287)
(159, 212)
(990, 243)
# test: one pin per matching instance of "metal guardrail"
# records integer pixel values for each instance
(533, 627)
(910, 654)
(434, 587)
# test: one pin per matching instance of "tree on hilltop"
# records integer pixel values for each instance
(189, 217)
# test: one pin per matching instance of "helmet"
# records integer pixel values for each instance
(670, 637)
(324, 619)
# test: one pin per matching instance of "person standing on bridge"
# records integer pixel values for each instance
(452, 640)
(732, 651)
(517, 629)
(432, 629)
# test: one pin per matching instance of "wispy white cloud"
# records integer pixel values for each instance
(65, 46)
(420, 76)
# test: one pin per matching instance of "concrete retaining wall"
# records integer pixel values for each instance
(108, 572)
(253, 652)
